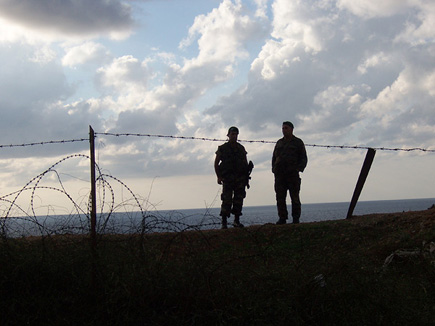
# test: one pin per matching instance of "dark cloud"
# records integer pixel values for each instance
(31, 109)
(273, 101)
(71, 17)
(23, 81)
(147, 122)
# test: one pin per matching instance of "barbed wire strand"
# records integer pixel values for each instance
(215, 140)
(45, 143)
(264, 142)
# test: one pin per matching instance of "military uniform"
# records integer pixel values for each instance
(289, 158)
(233, 170)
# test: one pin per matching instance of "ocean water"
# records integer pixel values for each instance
(195, 219)
(253, 215)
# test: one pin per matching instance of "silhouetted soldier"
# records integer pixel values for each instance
(231, 167)
(289, 158)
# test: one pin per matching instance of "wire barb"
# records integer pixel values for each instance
(264, 142)
(46, 142)
(213, 140)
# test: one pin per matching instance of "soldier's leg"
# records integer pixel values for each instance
(226, 196)
(224, 222)
(295, 187)
(281, 195)
(239, 195)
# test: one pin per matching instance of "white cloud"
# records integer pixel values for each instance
(43, 55)
(423, 30)
(298, 28)
(375, 8)
(420, 22)
(412, 86)
(350, 83)
(375, 60)
(261, 8)
(10, 32)
(222, 35)
(398, 108)
(294, 27)
(338, 115)
(88, 52)
(124, 75)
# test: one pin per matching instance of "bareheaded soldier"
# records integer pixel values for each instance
(288, 159)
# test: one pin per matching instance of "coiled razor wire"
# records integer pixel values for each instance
(139, 221)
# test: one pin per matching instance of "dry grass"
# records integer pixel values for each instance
(324, 273)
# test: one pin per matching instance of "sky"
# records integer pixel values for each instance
(345, 72)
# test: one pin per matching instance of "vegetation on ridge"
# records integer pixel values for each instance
(324, 273)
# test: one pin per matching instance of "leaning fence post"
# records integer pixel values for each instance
(361, 180)
(93, 190)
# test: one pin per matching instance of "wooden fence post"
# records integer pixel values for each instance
(361, 180)
(93, 190)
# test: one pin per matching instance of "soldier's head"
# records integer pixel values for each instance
(287, 129)
(233, 133)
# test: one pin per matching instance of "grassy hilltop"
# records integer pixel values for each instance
(324, 273)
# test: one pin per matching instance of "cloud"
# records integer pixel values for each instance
(422, 29)
(298, 25)
(88, 52)
(222, 35)
(344, 72)
(124, 75)
(147, 121)
(70, 17)
(374, 61)
(286, 75)
(401, 113)
(419, 19)
(33, 92)
(373, 8)
(169, 108)
(340, 78)
(261, 8)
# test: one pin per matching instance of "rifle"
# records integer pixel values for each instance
(248, 173)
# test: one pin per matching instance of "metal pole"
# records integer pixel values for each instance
(93, 190)
(361, 180)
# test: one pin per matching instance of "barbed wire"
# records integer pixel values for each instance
(375, 148)
(263, 142)
(214, 140)
(45, 143)
(135, 218)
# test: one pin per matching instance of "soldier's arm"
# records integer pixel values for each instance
(216, 168)
(273, 159)
(303, 159)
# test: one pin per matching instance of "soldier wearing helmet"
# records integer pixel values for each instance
(231, 167)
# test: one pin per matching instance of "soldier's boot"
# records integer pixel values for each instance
(282, 220)
(237, 223)
(224, 223)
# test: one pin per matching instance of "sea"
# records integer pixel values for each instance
(150, 221)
